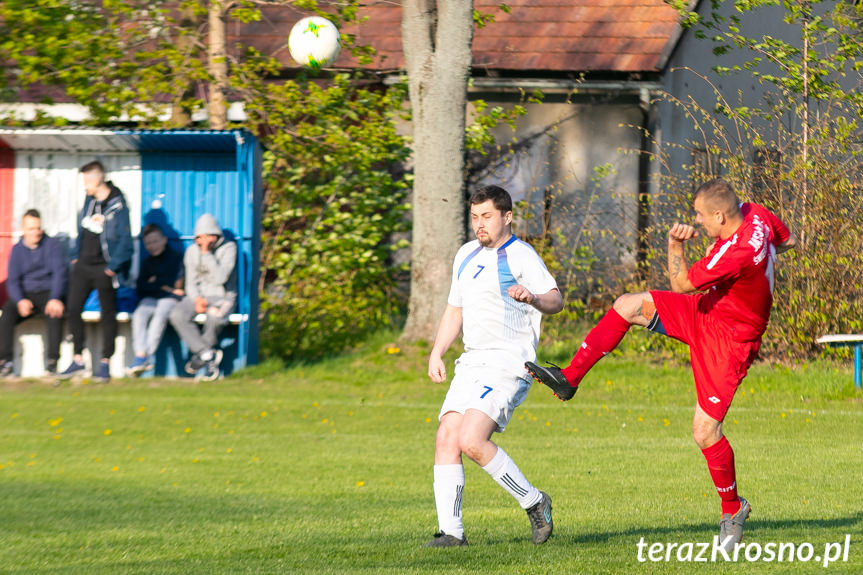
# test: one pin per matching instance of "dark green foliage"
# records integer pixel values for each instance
(334, 204)
(335, 192)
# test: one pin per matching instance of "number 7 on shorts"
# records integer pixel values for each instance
(486, 392)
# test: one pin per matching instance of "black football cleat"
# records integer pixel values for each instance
(441, 539)
(553, 378)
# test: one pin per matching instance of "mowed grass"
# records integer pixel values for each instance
(328, 469)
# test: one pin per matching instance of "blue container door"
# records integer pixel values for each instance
(177, 188)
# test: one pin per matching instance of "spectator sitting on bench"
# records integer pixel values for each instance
(159, 287)
(211, 288)
(101, 256)
(36, 284)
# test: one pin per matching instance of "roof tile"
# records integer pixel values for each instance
(551, 35)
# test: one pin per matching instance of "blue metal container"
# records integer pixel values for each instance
(189, 173)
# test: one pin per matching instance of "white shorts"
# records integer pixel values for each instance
(491, 391)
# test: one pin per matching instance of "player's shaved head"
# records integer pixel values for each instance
(718, 195)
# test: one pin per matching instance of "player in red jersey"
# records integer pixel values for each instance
(719, 306)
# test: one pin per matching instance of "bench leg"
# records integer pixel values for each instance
(857, 367)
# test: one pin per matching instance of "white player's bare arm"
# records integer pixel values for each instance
(447, 332)
(678, 268)
(548, 303)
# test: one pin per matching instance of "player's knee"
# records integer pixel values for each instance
(620, 304)
(468, 446)
(472, 447)
(705, 436)
(628, 306)
(446, 438)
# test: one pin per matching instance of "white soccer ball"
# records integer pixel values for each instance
(314, 42)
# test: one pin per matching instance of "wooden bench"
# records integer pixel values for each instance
(124, 317)
(845, 340)
(30, 348)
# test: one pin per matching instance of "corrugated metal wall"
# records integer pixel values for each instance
(188, 185)
(188, 172)
(177, 188)
(185, 186)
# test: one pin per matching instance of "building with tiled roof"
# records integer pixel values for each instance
(534, 36)
(598, 62)
(601, 65)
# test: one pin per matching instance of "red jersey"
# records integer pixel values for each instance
(738, 274)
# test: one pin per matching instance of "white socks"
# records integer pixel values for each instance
(449, 486)
(448, 489)
(507, 474)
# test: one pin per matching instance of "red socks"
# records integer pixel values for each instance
(602, 339)
(720, 462)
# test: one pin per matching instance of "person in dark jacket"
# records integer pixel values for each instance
(159, 287)
(36, 284)
(101, 258)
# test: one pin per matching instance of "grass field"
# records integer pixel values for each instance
(327, 469)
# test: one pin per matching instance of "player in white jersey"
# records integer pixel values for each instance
(500, 289)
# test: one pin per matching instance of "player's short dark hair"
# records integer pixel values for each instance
(149, 229)
(719, 195)
(500, 198)
(32, 213)
(94, 165)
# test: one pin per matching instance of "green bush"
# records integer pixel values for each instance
(334, 204)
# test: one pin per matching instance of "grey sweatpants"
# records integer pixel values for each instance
(183, 319)
(149, 322)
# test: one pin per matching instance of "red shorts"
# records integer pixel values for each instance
(719, 363)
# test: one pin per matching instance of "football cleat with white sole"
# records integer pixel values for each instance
(553, 378)
(731, 526)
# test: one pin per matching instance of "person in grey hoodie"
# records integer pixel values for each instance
(211, 289)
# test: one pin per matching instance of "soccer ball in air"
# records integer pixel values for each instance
(314, 42)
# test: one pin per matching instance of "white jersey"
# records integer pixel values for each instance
(498, 331)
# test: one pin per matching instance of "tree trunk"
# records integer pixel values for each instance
(218, 66)
(189, 22)
(436, 40)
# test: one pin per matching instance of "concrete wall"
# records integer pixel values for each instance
(694, 57)
(559, 145)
